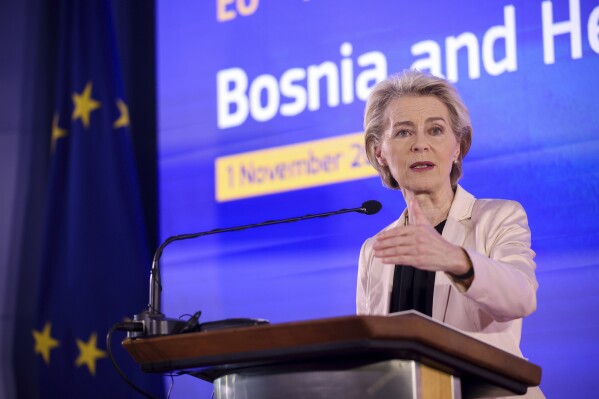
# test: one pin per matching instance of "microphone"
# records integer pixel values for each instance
(155, 322)
(370, 207)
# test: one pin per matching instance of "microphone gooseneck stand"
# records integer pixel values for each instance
(154, 322)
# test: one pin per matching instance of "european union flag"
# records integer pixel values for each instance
(95, 256)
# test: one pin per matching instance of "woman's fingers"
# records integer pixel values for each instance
(415, 245)
(399, 240)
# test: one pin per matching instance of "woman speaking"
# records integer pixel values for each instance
(464, 261)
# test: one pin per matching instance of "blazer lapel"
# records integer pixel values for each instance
(455, 232)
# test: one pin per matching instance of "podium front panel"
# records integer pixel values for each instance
(381, 380)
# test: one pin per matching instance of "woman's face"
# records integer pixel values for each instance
(419, 146)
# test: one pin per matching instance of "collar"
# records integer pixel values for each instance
(461, 207)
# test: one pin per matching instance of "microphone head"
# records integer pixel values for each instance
(371, 207)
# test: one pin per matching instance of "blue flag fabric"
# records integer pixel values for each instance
(95, 254)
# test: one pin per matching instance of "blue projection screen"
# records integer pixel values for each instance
(260, 118)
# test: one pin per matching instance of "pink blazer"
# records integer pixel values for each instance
(496, 236)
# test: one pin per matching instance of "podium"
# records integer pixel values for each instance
(406, 355)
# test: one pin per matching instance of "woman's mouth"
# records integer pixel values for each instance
(422, 166)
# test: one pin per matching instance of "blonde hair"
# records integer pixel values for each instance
(414, 83)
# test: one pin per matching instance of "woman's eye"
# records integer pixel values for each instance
(402, 133)
(436, 130)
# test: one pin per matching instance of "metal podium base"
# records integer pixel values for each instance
(385, 379)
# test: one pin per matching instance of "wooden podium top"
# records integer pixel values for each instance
(408, 335)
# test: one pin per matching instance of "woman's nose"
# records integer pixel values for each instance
(420, 142)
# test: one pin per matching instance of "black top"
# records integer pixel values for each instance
(413, 288)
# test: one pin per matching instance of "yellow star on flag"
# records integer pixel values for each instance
(44, 342)
(57, 132)
(123, 120)
(84, 104)
(89, 353)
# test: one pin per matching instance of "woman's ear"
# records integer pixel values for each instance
(379, 156)
(457, 154)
